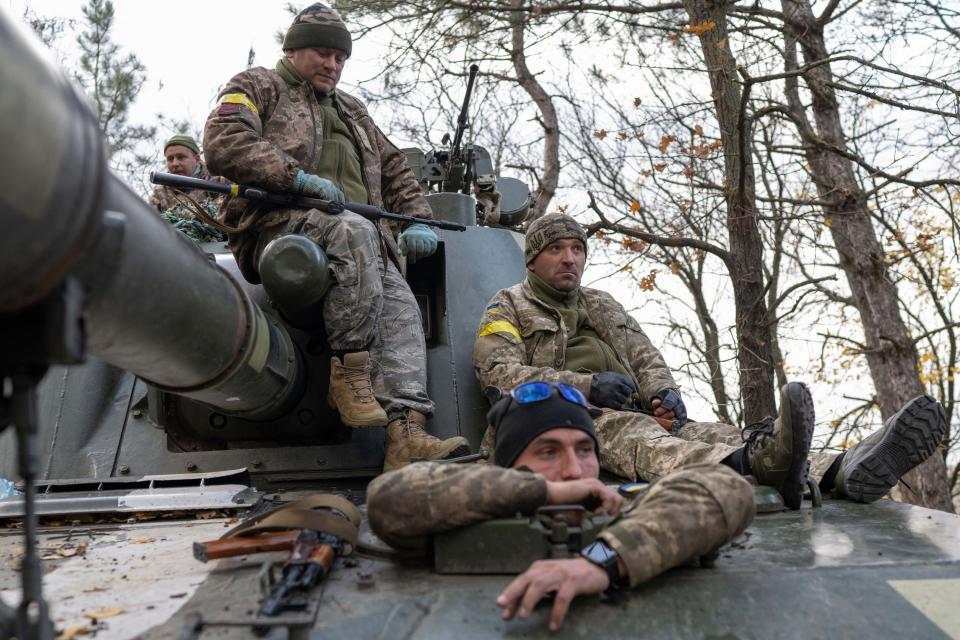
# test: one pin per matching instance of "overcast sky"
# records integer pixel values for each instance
(191, 48)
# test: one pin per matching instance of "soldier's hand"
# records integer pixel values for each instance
(589, 492)
(417, 242)
(567, 579)
(312, 185)
(611, 390)
(668, 404)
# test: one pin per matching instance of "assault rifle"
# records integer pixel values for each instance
(309, 562)
(315, 529)
(292, 200)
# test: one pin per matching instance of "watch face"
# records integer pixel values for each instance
(598, 552)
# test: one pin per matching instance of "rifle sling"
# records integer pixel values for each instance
(317, 513)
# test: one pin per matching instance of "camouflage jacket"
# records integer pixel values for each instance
(163, 198)
(521, 339)
(264, 131)
(684, 515)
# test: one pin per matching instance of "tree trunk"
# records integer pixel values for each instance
(754, 353)
(551, 126)
(890, 351)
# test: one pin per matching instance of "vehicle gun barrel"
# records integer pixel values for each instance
(154, 303)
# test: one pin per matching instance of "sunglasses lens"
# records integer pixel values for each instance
(531, 392)
(572, 394)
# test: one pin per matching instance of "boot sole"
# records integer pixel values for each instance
(912, 436)
(365, 424)
(802, 420)
(460, 449)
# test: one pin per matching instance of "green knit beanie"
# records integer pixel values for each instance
(318, 26)
(183, 141)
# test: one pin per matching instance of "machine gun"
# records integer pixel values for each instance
(459, 169)
(460, 179)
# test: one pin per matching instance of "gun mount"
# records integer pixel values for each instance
(461, 177)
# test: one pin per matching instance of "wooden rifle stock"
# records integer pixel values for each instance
(245, 545)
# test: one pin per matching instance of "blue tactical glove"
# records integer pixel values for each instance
(610, 390)
(418, 242)
(671, 401)
(311, 185)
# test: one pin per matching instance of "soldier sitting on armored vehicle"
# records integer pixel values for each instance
(289, 129)
(547, 453)
(182, 156)
(548, 327)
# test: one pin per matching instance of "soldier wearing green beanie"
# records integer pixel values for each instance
(181, 153)
(290, 129)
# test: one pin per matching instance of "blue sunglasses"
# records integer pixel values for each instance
(531, 392)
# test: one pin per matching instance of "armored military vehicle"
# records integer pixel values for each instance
(158, 398)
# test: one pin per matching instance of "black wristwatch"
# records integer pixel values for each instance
(601, 554)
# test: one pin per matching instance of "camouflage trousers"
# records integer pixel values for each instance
(368, 307)
(634, 445)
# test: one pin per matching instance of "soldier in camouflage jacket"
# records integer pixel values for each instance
(684, 515)
(526, 334)
(289, 129)
(182, 157)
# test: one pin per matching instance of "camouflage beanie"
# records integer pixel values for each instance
(549, 228)
(318, 26)
(183, 141)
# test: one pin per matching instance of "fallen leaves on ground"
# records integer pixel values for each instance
(103, 613)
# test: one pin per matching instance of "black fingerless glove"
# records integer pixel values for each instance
(671, 401)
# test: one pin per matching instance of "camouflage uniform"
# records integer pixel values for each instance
(522, 339)
(164, 198)
(684, 515)
(265, 131)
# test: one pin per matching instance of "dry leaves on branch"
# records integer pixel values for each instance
(664, 143)
(601, 134)
(648, 281)
(699, 29)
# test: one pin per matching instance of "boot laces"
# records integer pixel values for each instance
(411, 429)
(358, 379)
(756, 434)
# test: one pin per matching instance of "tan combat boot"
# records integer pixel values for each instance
(351, 391)
(406, 442)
